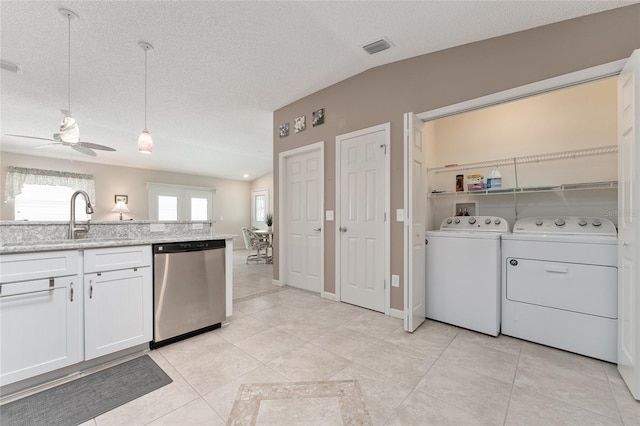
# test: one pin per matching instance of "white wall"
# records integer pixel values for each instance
(580, 117)
(231, 204)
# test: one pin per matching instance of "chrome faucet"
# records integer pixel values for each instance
(73, 229)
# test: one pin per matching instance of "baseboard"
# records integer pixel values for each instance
(396, 313)
(327, 295)
(276, 282)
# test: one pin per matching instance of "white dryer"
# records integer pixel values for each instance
(559, 284)
(463, 272)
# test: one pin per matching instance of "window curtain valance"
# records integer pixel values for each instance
(17, 177)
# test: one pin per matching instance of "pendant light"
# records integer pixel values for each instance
(145, 143)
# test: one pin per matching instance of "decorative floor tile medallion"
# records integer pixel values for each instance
(337, 401)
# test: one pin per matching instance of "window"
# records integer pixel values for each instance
(167, 207)
(46, 194)
(259, 207)
(47, 202)
(260, 211)
(180, 203)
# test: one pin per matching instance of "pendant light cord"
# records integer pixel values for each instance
(145, 89)
(69, 69)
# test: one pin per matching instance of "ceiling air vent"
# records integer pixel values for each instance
(10, 66)
(377, 46)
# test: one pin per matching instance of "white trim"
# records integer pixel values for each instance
(199, 188)
(327, 295)
(396, 313)
(387, 207)
(555, 83)
(282, 209)
(406, 247)
(276, 282)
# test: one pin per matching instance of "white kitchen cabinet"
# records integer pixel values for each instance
(40, 314)
(118, 301)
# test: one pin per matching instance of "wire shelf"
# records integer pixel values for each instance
(529, 159)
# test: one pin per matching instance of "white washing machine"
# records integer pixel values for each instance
(560, 284)
(463, 272)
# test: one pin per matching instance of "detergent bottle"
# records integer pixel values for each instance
(494, 181)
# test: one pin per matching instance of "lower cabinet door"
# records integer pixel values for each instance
(41, 326)
(118, 310)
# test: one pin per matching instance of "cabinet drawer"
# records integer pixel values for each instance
(32, 266)
(115, 258)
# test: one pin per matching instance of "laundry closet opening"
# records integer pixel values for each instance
(556, 153)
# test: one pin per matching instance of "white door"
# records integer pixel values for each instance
(628, 207)
(303, 228)
(414, 222)
(361, 217)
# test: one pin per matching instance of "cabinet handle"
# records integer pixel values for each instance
(90, 289)
(49, 290)
(71, 292)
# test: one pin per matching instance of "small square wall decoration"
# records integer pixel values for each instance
(284, 130)
(300, 124)
(318, 117)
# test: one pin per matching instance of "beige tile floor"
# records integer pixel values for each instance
(440, 374)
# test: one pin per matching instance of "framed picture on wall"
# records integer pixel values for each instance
(284, 130)
(123, 198)
(317, 117)
(300, 124)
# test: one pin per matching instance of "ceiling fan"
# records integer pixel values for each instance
(69, 134)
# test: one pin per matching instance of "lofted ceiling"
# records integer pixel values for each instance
(218, 69)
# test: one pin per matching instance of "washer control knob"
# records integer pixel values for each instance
(497, 221)
(449, 221)
(457, 220)
(472, 220)
(596, 222)
(539, 222)
(582, 222)
(487, 221)
(559, 222)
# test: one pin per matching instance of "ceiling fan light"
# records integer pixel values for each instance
(69, 130)
(145, 143)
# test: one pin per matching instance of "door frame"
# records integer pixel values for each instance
(586, 75)
(282, 209)
(386, 127)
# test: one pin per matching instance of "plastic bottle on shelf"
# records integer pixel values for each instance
(494, 181)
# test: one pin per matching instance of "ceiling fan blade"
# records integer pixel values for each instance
(47, 144)
(83, 150)
(31, 137)
(95, 146)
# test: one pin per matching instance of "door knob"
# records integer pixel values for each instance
(343, 229)
(626, 243)
(318, 229)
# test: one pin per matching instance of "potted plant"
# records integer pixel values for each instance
(269, 221)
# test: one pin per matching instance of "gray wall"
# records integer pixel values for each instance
(439, 79)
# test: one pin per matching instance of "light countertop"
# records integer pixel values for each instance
(87, 243)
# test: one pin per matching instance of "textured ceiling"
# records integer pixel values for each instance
(218, 69)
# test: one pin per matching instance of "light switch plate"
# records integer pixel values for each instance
(329, 215)
(395, 280)
(400, 215)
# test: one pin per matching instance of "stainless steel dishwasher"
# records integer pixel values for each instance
(188, 289)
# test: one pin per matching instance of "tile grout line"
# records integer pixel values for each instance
(513, 386)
